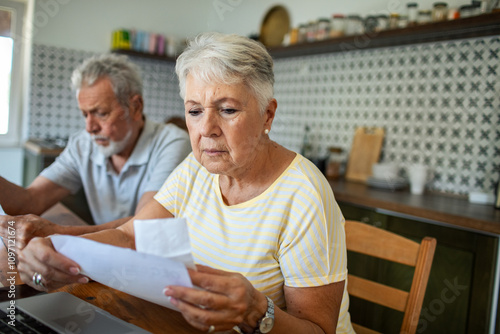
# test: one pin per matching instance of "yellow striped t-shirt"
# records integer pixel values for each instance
(292, 234)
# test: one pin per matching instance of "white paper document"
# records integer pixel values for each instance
(140, 274)
(167, 237)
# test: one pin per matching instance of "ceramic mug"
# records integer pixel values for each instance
(419, 175)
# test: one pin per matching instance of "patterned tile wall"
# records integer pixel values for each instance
(439, 103)
(54, 110)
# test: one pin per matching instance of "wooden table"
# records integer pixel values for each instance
(147, 315)
(150, 316)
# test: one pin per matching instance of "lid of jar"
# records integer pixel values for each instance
(425, 12)
(354, 17)
(324, 19)
(412, 4)
(382, 16)
(440, 4)
(338, 16)
(394, 15)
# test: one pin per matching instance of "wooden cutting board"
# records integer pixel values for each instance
(365, 151)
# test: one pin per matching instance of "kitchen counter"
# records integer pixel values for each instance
(446, 209)
(45, 147)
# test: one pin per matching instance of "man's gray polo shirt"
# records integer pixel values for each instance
(160, 148)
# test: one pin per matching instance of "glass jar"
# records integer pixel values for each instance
(439, 11)
(393, 21)
(371, 24)
(424, 16)
(337, 25)
(302, 33)
(323, 29)
(334, 166)
(403, 21)
(412, 12)
(476, 8)
(311, 31)
(382, 23)
(453, 14)
(294, 36)
(354, 25)
(466, 11)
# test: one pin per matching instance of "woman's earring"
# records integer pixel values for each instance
(266, 131)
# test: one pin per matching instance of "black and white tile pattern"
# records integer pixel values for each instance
(53, 107)
(439, 103)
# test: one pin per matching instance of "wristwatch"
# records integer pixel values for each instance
(266, 323)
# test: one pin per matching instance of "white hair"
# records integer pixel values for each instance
(228, 59)
(124, 76)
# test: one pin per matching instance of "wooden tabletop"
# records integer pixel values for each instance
(150, 316)
(453, 210)
(147, 315)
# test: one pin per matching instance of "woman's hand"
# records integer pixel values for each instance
(40, 258)
(225, 300)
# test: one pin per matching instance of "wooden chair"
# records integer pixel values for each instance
(372, 241)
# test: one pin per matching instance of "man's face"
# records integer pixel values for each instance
(105, 119)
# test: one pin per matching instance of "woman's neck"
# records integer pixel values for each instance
(258, 177)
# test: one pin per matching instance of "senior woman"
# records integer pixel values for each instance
(266, 232)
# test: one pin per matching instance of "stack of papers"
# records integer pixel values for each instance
(143, 272)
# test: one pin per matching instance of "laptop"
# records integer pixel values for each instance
(59, 312)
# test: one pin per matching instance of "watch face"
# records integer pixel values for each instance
(266, 325)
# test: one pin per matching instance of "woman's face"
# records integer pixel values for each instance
(225, 126)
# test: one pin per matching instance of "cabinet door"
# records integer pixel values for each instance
(459, 292)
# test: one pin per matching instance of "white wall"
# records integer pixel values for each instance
(11, 166)
(87, 24)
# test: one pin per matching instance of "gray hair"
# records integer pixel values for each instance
(124, 76)
(228, 59)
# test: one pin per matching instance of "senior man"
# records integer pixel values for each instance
(121, 159)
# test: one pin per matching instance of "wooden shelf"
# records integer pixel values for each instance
(477, 26)
(133, 53)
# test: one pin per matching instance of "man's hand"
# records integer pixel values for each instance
(27, 227)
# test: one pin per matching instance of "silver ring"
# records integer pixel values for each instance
(37, 279)
(211, 329)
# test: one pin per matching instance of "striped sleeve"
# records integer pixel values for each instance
(313, 248)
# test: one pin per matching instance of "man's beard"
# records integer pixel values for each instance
(114, 147)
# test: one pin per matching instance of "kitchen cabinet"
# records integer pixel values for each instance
(470, 27)
(39, 154)
(460, 290)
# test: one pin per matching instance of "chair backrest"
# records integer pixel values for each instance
(372, 241)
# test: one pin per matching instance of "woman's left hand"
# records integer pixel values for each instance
(225, 300)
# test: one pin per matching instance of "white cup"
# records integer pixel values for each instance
(419, 175)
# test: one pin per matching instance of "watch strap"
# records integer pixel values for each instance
(267, 320)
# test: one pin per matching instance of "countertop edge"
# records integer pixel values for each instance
(430, 206)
